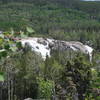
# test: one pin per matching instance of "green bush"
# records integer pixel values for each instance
(45, 89)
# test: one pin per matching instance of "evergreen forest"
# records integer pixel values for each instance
(66, 75)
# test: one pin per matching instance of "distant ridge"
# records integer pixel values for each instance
(90, 0)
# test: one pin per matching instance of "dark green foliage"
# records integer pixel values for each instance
(45, 89)
(22, 71)
(24, 74)
(2, 77)
(52, 19)
(52, 69)
(19, 45)
(75, 79)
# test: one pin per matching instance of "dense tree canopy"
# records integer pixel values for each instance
(66, 74)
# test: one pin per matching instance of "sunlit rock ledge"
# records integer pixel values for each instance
(44, 46)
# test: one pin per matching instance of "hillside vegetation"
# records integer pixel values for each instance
(66, 75)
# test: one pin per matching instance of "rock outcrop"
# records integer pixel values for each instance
(44, 46)
(28, 99)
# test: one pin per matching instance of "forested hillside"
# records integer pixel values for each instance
(66, 75)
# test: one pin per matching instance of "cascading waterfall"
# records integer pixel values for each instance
(43, 46)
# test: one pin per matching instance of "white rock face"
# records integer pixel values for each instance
(28, 99)
(90, 51)
(43, 46)
(38, 45)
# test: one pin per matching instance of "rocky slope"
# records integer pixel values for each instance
(44, 46)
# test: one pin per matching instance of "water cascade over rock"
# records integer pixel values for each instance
(44, 46)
